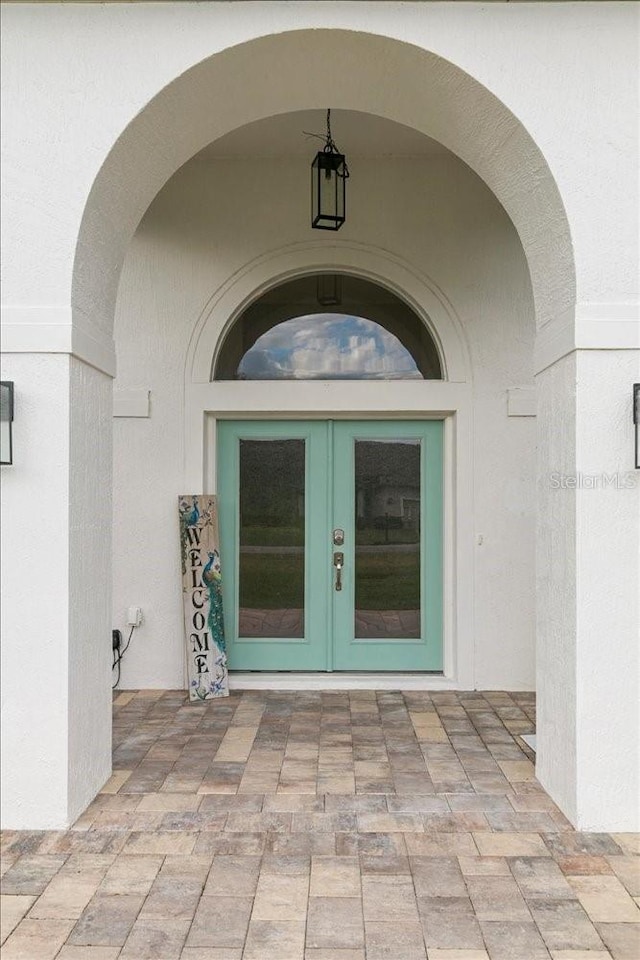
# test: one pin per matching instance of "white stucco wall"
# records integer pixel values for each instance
(566, 74)
(56, 574)
(213, 218)
(589, 498)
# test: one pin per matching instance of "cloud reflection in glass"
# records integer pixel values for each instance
(328, 346)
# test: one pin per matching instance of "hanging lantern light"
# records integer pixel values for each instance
(329, 173)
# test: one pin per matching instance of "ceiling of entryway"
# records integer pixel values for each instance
(356, 134)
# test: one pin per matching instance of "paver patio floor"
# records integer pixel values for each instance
(321, 826)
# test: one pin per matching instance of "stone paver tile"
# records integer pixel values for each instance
(580, 955)
(388, 899)
(583, 864)
(172, 898)
(191, 869)
(390, 823)
(131, 874)
(275, 940)
(233, 876)
(12, 910)
(510, 845)
(36, 939)
(166, 842)
(116, 780)
(622, 939)
(19, 842)
(334, 954)
(478, 803)
(508, 941)
(370, 844)
(338, 803)
(322, 822)
(539, 822)
(286, 865)
(106, 920)
(281, 898)
(155, 940)
(406, 803)
(224, 803)
(449, 923)
(123, 698)
(213, 785)
(436, 954)
(497, 898)
(70, 952)
(7, 860)
(564, 925)
(168, 802)
(393, 865)
(540, 878)
(627, 870)
(516, 770)
(69, 892)
(484, 866)
(570, 844)
(211, 953)
(30, 875)
(628, 842)
(220, 922)
(335, 877)
(258, 823)
(303, 844)
(388, 941)
(297, 786)
(441, 844)
(605, 899)
(236, 745)
(83, 842)
(335, 923)
(230, 844)
(437, 877)
(292, 803)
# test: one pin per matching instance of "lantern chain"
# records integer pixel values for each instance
(330, 145)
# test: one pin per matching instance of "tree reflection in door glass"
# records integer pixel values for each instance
(272, 538)
(387, 561)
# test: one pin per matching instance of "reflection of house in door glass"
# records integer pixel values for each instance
(387, 575)
(272, 509)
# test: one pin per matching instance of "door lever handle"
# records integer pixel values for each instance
(338, 562)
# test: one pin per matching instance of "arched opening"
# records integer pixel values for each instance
(444, 103)
(328, 326)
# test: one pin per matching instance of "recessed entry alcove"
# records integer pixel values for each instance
(328, 326)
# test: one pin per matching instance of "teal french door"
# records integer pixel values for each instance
(331, 544)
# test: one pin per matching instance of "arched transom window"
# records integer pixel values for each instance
(328, 327)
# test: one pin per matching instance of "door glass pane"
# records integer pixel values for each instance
(387, 562)
(272, 538)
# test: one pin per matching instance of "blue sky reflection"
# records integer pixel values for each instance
(328, 346)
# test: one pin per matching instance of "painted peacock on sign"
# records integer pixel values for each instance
(212, 579)
(189, 517)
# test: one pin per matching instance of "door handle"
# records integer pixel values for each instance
(338, 562)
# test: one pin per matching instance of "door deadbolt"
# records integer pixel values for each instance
(338, 537)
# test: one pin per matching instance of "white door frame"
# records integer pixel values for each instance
(206, 402)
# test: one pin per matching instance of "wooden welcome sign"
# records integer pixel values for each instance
(202, 597)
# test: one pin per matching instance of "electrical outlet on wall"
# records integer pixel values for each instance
(134, 616)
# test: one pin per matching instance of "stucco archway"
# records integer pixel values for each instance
(302, 70)
(311, 69)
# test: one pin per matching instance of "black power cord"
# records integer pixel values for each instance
(118, 654)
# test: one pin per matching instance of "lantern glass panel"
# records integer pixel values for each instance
(328, 191)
